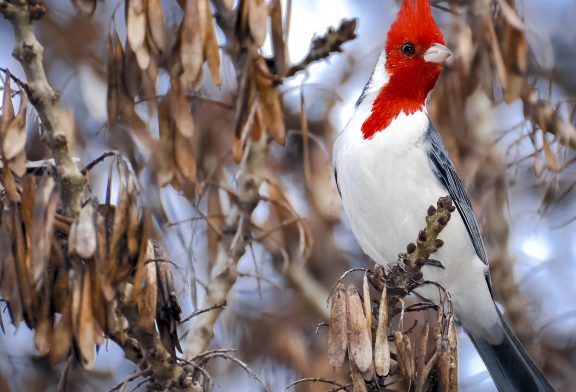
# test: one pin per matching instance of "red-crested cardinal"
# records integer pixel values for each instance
(391, 165)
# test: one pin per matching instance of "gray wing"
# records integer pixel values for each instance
(444, 169)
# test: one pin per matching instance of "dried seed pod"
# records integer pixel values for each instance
(357, 379)
(409, 358)
(367, 304)
(405, 356)
(381, 346)
(359, 343)
(258, 21)
(83, 239)
(337, 333)
(453, 346)
(420, 359)
(444, 370)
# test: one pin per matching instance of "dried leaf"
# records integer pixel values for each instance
(85, 333)
(115, 59)
(157, 24)
(43, 335)
(147, 301)
(163, 155)
(212, 49)
(420, 355)
(14, 139)
(381, 346)
(497, 56)
(337, 333)
(136, 31)
(242, 28)
(133, 229)
(269, 103)
(9, 281)
(7, 107)
(280, 54)
(76, 299)
(118, 267)
(444, 370)
(130, 75)
(168, 309)
(83, 239)
(185, 157)
(258, 21)
(22, 259)
(61, 341)
(8, 180)
(405, 356)
(142, 254)
(453, 347)
(9, 183)
(357, 379)
(245, 111)
(359, 343)
(180, 110)
(367, 304)
(510, 15)
(45, 204)
(191, 38)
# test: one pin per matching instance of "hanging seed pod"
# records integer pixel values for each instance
(381, 346)
(337, 333)
(358, 337)
(405, 355)
(357, 379)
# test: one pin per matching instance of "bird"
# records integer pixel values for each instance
(390, 165)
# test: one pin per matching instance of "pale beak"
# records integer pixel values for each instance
(437, 53)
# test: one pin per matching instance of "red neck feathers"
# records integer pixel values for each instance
(411, 77)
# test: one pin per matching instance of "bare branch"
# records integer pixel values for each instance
(29, 52)
(323, 46)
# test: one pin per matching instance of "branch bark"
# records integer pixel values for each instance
(29, 52)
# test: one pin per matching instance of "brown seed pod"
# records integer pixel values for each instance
(337, 332)
(359, 342)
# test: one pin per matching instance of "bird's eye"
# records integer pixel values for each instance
(408, 49)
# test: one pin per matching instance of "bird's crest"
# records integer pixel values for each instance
(415, 22)
(411, 77)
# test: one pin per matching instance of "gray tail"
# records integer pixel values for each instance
(509, 364)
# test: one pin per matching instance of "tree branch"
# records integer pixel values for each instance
(29, 52)
(230, 249)
(331, 42)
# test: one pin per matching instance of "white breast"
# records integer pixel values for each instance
(387, 185)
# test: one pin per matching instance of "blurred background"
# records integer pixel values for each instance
(505, 106)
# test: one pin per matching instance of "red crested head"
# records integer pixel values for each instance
(415, 52)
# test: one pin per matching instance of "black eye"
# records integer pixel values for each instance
(408, 49)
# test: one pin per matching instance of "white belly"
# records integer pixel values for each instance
(386, 205)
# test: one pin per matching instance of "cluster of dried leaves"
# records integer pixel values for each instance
(381, 351)
(77, 281)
